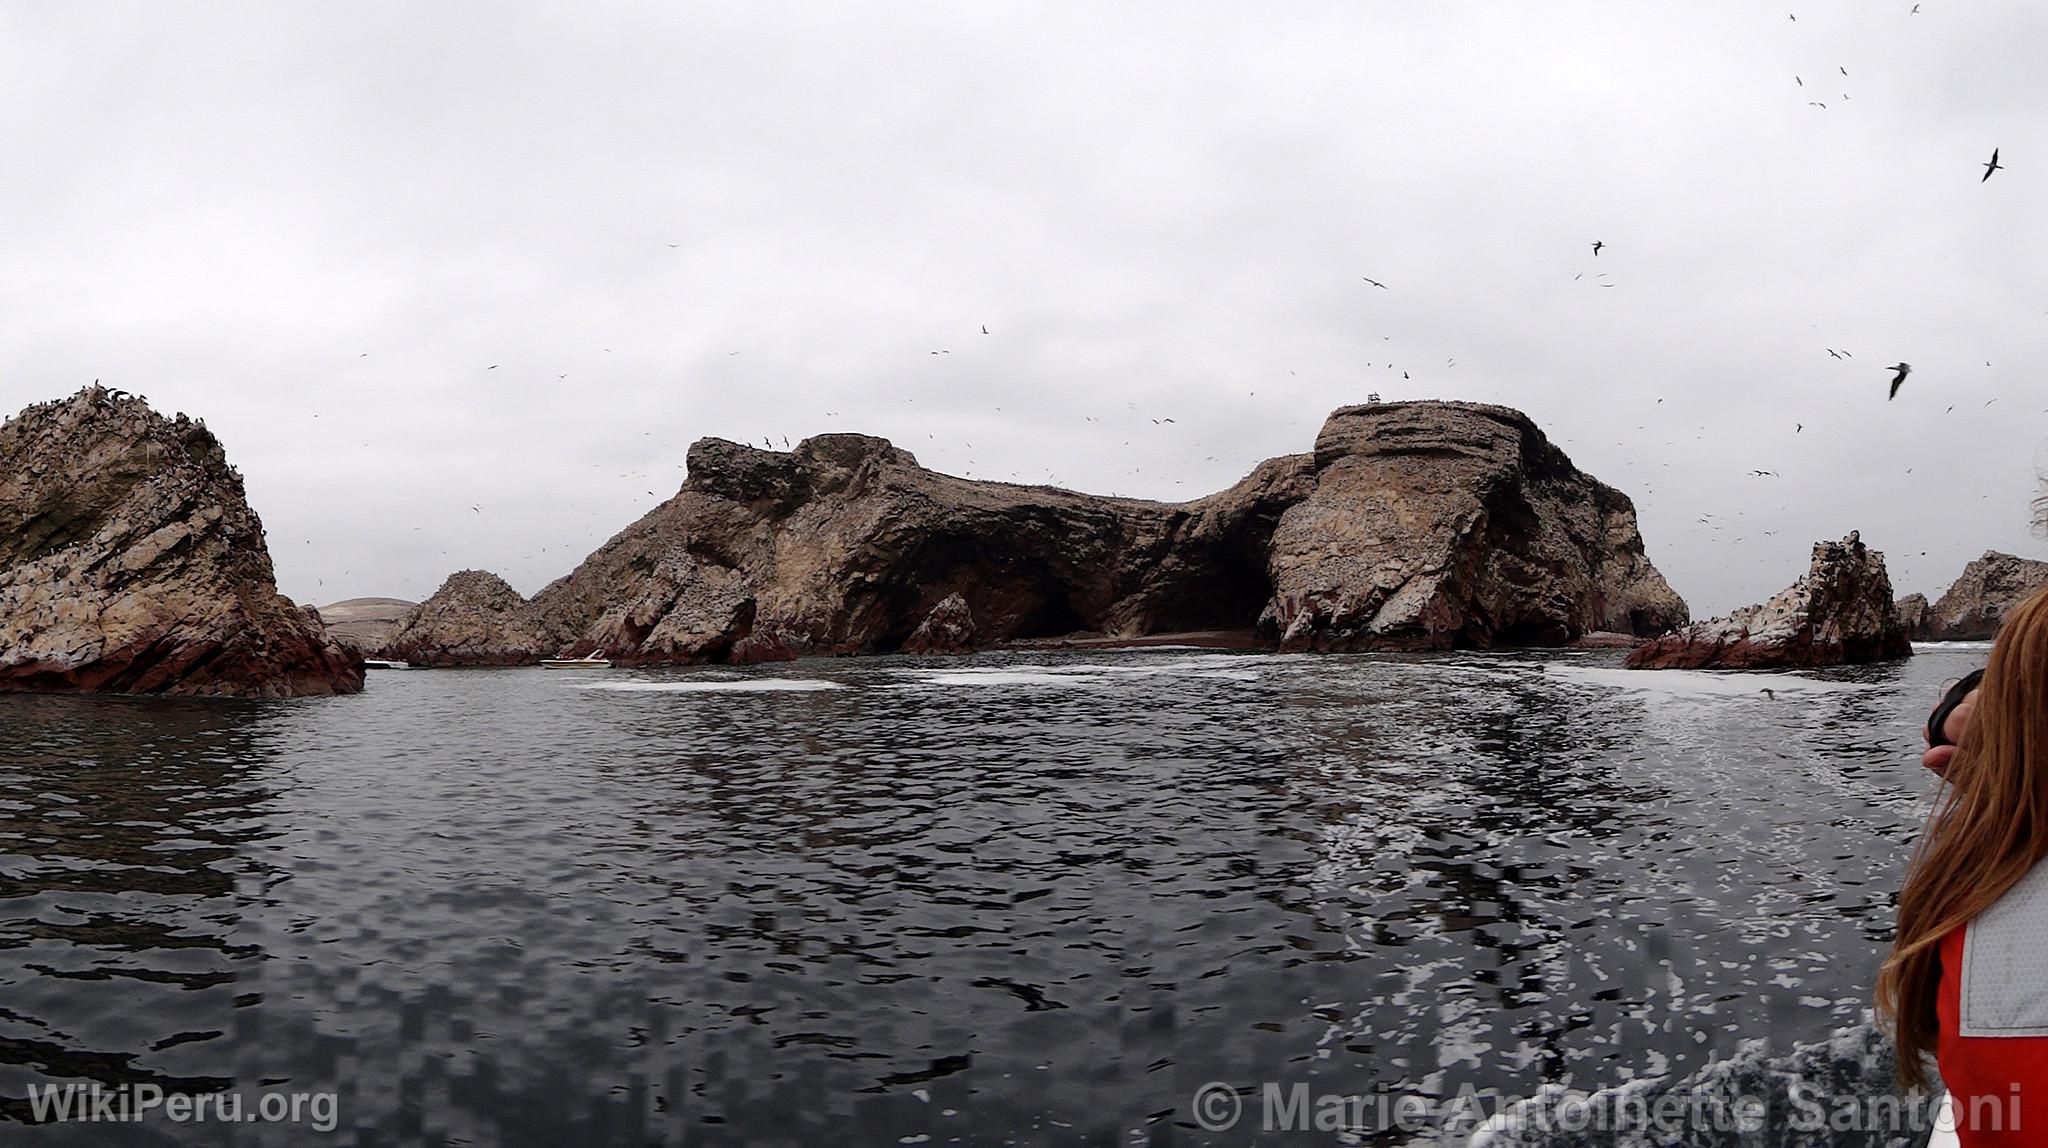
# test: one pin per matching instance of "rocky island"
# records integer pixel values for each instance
(1840, 611)
(1410, 526)
(1977, 601)
(131, 562)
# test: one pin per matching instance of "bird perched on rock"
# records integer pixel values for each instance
(1899, 379)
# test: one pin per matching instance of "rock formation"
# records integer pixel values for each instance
(130, 562)
(1839, 611)
(1978, 600)
(1912, 611)
(474, 619)
(1436, 521)
(1412, 526)
(948, 629)
(364, 624)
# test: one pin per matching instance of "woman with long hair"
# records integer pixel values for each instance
(1967, 979)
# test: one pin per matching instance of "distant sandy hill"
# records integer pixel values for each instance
(364, 624)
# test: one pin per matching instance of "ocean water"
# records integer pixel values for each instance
(1030, 899)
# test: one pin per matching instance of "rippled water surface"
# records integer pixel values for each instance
(1030, 899)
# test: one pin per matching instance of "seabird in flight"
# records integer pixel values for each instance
(1994, 165)
(1899, 379)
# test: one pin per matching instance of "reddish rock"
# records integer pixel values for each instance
(1840, 611)
(130, 562)
(765, 646)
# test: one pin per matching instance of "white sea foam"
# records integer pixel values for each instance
(1006, 676)
(739, 685)
(1216, 667)
(1698, 683)
(1937, 646)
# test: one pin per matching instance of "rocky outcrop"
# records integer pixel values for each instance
(474, 619)
(948, 629)
(362, 625)
(1912, 611)
(1840, 611)
(1978, 600)
(1439, 524)
(1411, 526)
(131, 562)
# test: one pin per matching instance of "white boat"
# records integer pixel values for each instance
(385, 664)
(589, 661)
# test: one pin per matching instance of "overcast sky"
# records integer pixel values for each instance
(320, 226)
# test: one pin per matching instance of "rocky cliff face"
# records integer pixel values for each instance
(1839, 611)
(1411, 526)
(1978, 601)
(474, 619)
(1435, 524)
(1912, 611)
(131, 562)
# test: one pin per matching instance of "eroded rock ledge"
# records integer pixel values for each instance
(1840, 611)
(1977, 602)
(1423, 525)
(131, 562)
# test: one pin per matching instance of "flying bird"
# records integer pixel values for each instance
(1899, 379)
(1597, 245)
(1832, 351)
(1992, 166)
(1375, 282)
(984, 328)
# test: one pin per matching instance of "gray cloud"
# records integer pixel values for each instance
(320, 227)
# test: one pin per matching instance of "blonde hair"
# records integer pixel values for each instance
(1989, 827)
